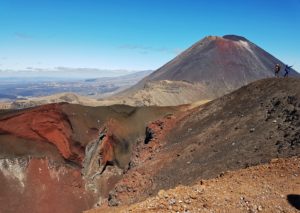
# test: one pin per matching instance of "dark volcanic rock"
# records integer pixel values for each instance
(215, 137)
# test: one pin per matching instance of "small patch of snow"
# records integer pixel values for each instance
(245, 45)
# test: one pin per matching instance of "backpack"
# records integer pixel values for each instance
(277, 68)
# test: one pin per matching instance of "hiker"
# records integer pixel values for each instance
(287, 70)
(277, 70)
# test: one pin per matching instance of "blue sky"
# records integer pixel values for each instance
(137, 34)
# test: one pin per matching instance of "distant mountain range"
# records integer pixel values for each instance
(60, 73)
(14, 88)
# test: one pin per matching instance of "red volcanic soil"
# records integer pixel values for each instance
(272, 187)
(44, 124)
(156, 132)
(224, 46)
(44, 187)
(109, 143)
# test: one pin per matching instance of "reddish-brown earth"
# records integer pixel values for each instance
(273, 187)
(113, 136)
(39, 185)
(44, 124)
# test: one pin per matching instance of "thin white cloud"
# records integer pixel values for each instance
(22, 36)
(146, 49)
(63, 72)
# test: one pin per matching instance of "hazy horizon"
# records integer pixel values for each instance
(62, 73)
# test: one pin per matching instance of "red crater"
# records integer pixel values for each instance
(44, 124)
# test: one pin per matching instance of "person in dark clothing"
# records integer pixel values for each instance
(277, 70)
(287, 70)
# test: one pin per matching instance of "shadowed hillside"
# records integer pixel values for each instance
(250, 126)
